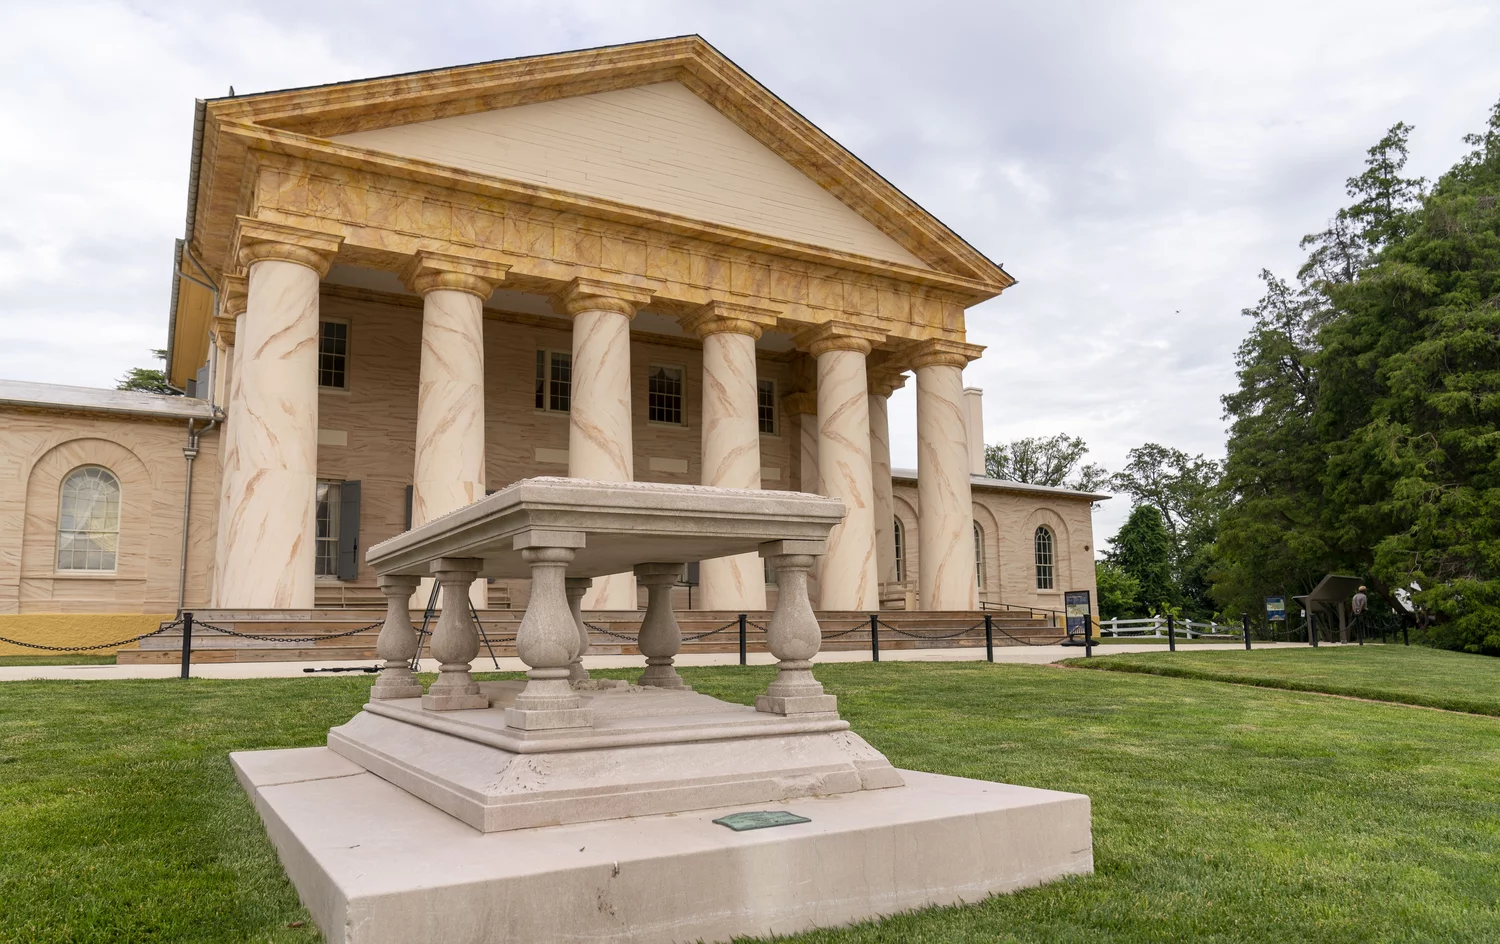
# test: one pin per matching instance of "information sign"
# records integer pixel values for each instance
(1276, 609)
(1078, 610)
(760, 819)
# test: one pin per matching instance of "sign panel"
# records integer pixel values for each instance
(760, 819)
(1276, 609)
(1079, 612)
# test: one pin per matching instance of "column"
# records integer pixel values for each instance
(272, 490)
(731, 438)
(661, 638)
(449, 471)
(600, 440)
(945, 507)
(848, 580)
(232, 300)
(547, 639)
(793, 635)
(804, 406)
(883, 382)
(575, 588)
(455, 641)
(397, 643)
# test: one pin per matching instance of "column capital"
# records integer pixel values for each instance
(800, 404)
(885, 381)
(838, 336)
(941, 352)
(259, 240)
(583, 295)
(721, 317)
(429, 271)
(234, 295)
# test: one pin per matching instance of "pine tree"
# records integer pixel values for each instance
(1143, 550)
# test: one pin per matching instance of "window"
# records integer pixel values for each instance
(978, 556)
(664, 395)
(1043, 543)
(88, 521)
(765, 405)
(554, 381)
(899, 533)
(333, 354)
(328, 529)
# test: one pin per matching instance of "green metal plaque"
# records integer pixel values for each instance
(760, 819)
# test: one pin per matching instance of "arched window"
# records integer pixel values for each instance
(1043, 558)
(978, 556)
(88, 521)
(900, 535)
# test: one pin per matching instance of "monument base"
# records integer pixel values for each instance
(375, 864)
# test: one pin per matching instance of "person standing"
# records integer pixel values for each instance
(1358, 605)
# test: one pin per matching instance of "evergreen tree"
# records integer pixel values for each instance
(1143, 550)
(148, 379)
(1119, 593)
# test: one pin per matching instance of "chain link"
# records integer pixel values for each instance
(230, 632)
(103, 645)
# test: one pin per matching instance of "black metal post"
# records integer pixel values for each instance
(1171, 634)
(1406, 633)
(742, 639)
(1245, 625)
(187, 642)
(1088, 637)
(989, 637)
(874, 638)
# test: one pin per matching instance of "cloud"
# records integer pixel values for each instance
(1135, 166)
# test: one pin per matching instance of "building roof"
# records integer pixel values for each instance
(1001, 485)
(99, 400)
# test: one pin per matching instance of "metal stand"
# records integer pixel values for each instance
(1171, 634)
(187, 642)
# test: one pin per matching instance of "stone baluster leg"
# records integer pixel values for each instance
(547, 640)
(793, 635)
(576, 587)
(455, 642)
(661, 637)
(397, 643)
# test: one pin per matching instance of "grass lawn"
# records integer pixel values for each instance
(58, 658)
(1414, 675)
(1221, 812)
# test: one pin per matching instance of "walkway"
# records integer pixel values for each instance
(1026, 655)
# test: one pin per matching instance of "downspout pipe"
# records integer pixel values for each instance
(189, 453)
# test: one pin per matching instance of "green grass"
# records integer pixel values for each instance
(1221, 812)
(58, 658)
(1413, 675)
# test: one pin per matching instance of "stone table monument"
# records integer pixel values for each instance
(561, 808)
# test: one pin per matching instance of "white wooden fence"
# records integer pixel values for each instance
(1155, 627)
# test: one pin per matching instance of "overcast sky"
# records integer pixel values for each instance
(1134, 165)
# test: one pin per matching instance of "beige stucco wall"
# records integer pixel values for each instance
(1009, 521)
(38, 448)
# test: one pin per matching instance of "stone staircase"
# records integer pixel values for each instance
(317, 635)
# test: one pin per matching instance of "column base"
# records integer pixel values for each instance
(387, 690)
(457, 701)
(797, 704)
(545, 719)
(663, 676)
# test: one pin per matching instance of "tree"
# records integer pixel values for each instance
(1184, 491)
(1045, 460)
(1119, 592)
(1143, 550)
(148, 379)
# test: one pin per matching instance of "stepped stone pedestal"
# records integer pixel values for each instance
(559, 809)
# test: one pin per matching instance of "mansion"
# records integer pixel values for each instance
(633, 263)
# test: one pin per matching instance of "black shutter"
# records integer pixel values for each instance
(410, 491)
(348, 531)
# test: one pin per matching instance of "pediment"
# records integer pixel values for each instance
(657, 146)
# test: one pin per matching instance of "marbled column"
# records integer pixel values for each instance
(793, 635)
(804, 406)
(945, 507)
(455, 641)
(882, 384)
(848, 580)
(269, 541)
(449, 471)
(661, 637)
(600, 439)
(397, 643)
(547, 639)
(576, 587)
(731, 440)
(228, 453)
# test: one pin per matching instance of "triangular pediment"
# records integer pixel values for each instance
(656, 146)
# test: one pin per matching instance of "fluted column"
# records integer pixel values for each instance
(848, 580)
(731, 438)
(945, 509)
(883, 382)
(272, 491)
(232, 299)
(601, 445)
(449, 471)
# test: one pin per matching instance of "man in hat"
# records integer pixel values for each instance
(1358, 605)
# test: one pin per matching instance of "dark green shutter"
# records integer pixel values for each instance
(348, 568)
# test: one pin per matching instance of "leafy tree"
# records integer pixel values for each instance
(1119, 592)
(1184, 491)
(1143, 550)
(1045, 460)
(148, 379)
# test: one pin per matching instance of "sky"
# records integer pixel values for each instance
(1133, 164)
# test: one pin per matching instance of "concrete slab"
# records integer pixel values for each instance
(374, 864)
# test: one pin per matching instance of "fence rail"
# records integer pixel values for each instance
(1155, 627)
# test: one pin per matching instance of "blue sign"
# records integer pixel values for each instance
(1276, 609)
(1079, 612)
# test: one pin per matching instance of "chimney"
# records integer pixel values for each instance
(974, 427)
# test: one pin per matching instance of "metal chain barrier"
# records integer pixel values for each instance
(230, 632)
(103, 645)
(901, 632)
